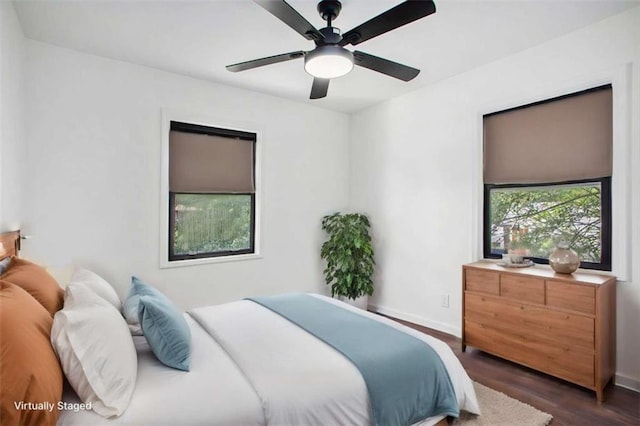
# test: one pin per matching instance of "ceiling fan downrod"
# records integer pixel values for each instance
(329, 10)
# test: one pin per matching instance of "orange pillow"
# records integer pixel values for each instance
(29, 370)
(37, 282)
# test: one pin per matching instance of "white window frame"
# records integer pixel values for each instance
(201, 119)
(620, 80)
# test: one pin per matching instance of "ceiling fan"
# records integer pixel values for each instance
(329, 59)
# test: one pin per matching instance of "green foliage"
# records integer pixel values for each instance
(349, 255)
(538, 219)
(207, 223)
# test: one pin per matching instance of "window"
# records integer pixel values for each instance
(547, 178)
(212, 201)
(534, 219)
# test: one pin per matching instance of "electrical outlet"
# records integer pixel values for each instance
(444, 300)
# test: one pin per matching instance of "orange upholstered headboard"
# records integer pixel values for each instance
(9, 244)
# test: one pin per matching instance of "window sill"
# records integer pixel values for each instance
(166, 264)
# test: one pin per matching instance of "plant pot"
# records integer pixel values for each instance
(360, 303)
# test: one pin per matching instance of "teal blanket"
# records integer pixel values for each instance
(406, 379)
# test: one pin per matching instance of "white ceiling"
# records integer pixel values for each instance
(198, 38)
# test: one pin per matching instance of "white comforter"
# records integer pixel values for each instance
(259, 369)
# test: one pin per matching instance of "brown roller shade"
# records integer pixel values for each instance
(200, 163)
(564, 139)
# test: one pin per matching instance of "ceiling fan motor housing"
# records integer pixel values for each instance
(332, 35)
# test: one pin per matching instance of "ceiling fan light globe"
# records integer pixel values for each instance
(328, 62)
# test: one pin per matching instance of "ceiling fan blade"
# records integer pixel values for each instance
(402, 14)
(243, 66)
(319, 88)
(287, 14)
(385, 66)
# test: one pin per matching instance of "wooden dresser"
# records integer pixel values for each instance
(562, 325)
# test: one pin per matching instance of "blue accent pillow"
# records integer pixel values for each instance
(162, 323)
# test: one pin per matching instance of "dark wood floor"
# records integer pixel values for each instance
(567, 403)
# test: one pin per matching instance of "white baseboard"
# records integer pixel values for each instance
(416, 319)
(627, 382)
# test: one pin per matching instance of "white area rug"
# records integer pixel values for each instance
(500, 409)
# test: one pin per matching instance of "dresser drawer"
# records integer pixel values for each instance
(568, 362)
(541, 325)
(482, 281)
(581, 298)
(524, 289)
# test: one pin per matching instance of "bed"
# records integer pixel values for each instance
(251, 366)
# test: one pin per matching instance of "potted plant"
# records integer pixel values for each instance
(349, 255)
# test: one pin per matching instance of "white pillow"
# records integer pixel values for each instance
(96, 351)
(96, 283)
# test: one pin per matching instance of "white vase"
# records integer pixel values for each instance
(564, 260)
(360, 303)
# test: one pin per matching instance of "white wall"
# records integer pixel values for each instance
(11, 117)
(416, 169)
(92, 191)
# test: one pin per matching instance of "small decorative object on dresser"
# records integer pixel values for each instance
(563, 325)
(564, 260)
